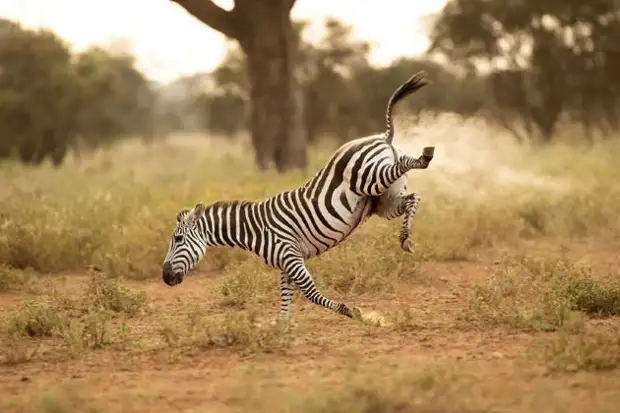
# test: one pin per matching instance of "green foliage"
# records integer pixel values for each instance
(85, 322)
(115, 98)
(104, 293)
(84, 215)
(343, 95)
(552, 64)
(242, 331)
(116, 211)
(35, 320)
(12, 279)
(545, 295)
(52, 101)
(586, 351)
(237, 330)
(593, 297)
(37, 95)
(557, 58)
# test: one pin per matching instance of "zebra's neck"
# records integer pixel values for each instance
(233, 224)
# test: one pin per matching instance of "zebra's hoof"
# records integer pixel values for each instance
(356, 313)
(428, 151)
(427, 155)
(408, 246)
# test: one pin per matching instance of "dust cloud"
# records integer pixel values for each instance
(472, 156)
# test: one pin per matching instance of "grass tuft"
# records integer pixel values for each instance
(13, 279)
(75, 324)
(586, 351)
(239, 331)
(115, 211)
(106, 293)
(427, 390)
(543, 295)
(36, 319)
(244, 283)
(103, 213)
(243, 332)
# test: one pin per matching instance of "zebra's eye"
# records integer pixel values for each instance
(178, 238)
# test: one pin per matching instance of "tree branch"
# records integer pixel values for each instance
(289, 4)
(212, 15)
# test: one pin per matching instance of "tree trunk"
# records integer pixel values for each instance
(276, 123)
(292, 149)
(264, 31)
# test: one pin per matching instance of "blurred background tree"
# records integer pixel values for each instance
(264, 32)
(344, 95)
(528, 66)
(115, 98)
(549, 58)
(38, 94)
(52, 101)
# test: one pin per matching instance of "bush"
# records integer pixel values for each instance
(77, 324)
(543, 294)
(587, 351)
(104, 212)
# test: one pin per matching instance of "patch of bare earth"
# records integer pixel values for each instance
(471, 367)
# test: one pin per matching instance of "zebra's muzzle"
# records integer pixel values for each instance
(169, 276)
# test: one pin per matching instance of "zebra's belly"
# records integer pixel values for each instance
(347, 222)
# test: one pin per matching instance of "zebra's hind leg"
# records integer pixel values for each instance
(407, 163)
(286, 295)
(410, 205)
(394, 203)
(300, 275)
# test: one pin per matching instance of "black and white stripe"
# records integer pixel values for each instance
(363, 177)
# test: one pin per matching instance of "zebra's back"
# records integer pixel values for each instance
(328, 208)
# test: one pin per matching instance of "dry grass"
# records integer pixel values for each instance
(239, 331)
(544, 294)
(488, 292)
(13, 279)
(428, 389)
(72, 324)
(586, 351)
(116, 211)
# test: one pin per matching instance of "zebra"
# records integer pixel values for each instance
(364, 177)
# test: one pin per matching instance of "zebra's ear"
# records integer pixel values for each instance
(182, 214)
(199, 210)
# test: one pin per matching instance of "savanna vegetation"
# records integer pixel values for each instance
(510, 303)
(514, 285)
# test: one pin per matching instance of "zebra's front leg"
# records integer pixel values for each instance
(300, 275)
(286, 295)
(409, 204)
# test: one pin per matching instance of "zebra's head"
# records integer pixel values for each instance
(187, 245)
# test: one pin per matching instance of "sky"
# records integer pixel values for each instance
(169, 43)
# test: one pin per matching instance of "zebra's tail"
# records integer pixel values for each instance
(415, 82)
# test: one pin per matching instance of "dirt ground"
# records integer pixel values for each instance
(489, 369)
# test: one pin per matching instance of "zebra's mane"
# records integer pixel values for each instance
(228, 203)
